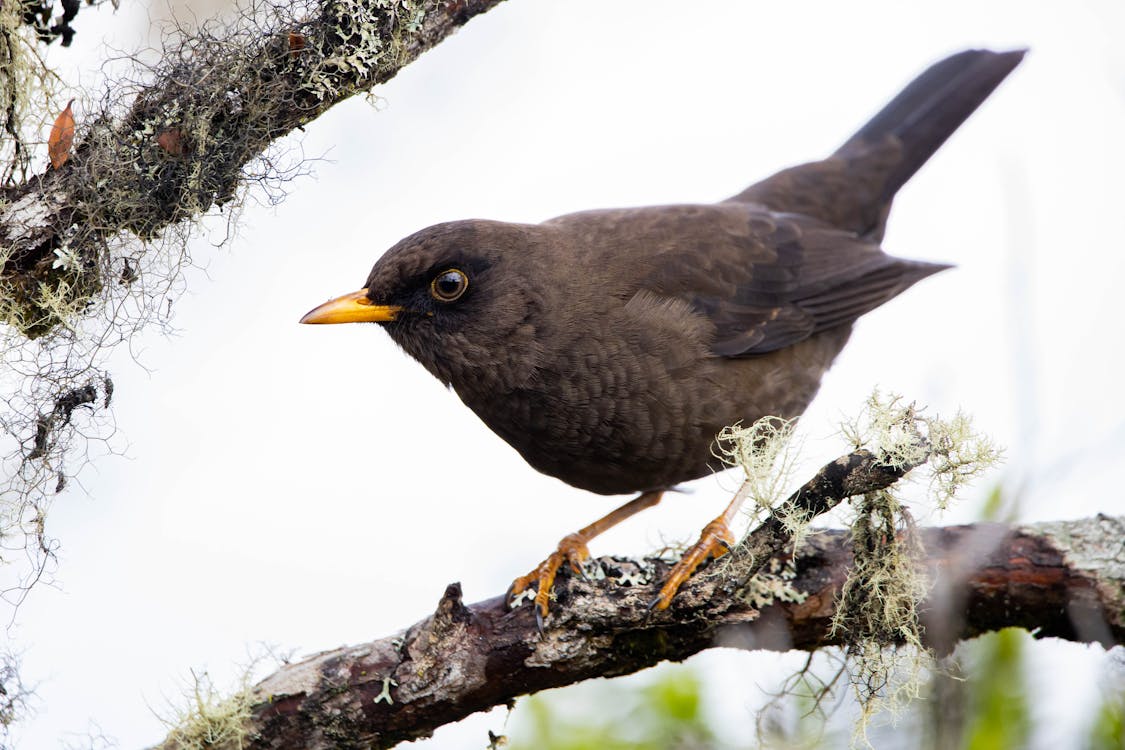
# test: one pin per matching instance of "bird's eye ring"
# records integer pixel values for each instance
(449, 285)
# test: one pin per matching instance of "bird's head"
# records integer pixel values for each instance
(462, 298)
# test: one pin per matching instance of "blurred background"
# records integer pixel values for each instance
(308, 487)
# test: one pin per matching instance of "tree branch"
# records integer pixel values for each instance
(1063, 580)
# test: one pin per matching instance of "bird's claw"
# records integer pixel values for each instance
(572, 550)
(715, 541)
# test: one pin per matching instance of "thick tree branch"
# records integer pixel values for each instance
(1063, 580)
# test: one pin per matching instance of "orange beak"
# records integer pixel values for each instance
(351, 308)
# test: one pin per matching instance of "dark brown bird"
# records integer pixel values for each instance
(610, 347)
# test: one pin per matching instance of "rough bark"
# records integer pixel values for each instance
(1063, 580)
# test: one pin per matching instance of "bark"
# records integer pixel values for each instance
(1063, 580)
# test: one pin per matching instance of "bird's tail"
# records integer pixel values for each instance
(929, 109)
(853, 188)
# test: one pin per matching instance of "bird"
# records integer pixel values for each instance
(609, 347)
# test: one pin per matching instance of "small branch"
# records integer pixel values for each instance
(1063, 580)
(857, 473)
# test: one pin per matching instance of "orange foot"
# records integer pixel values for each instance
(572, 549)
(715, 541)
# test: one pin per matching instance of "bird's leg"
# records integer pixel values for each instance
(572, 549)
(715, 541)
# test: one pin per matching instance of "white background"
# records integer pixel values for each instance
(311, 486)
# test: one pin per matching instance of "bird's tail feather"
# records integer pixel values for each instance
(853, 189)
(930, 108)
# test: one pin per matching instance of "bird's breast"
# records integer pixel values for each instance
(623, 414)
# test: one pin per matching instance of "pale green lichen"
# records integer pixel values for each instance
(206, 720)
(876, 614)
(27, 89)
(773, 584)
(958, 455)
(385, 693)
(903, 436)
(889, 428)
(357, 22)
(766, 453)
(365, 51)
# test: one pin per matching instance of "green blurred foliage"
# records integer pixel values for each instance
(666, 714)
(998, 716)
(994, 505)
(989, 708)
(1108, 732)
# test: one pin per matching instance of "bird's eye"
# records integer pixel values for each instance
(449, 285)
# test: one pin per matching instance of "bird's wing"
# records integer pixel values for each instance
(771, 280)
